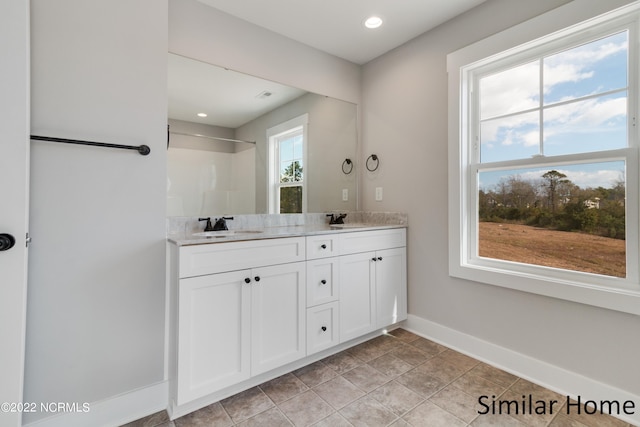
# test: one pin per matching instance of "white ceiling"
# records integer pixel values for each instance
(230, 99)
(336, 26)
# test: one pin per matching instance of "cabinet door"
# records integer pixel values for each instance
(278, 310)
(357, 295)
(391, 286)
(213, 333)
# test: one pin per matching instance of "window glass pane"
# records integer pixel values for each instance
(297, 146)
(511, 91)
(595, 124)
(570, 217)
(508, 138)
(592, 68)
(291, 199)
(286, 150)
(291, 172)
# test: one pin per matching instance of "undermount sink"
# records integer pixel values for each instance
(351, 225)
(226, 233)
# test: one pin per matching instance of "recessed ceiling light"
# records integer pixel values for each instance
(373, 22)
(202, 114)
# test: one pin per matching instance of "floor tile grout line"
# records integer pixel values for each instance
(383, 345)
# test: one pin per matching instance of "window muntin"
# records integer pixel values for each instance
(569, 102)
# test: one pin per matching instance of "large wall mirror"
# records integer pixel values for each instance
(226, 163)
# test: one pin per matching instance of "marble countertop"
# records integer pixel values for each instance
(234, 235)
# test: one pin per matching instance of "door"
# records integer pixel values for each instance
(213, 333)
(391, 286)
(278, 316)
(357, 295)
(14, 184)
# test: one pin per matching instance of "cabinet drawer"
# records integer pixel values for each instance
(198, 260)
(322, 246)
(322, 327)
(365, 241)
(322, 281)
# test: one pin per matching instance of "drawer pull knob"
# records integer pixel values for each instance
(323, 246)
(257, 278)
(247, 280)
(324, 329)
(324, 282)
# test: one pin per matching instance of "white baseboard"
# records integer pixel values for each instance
(539, 372)
(114, 411)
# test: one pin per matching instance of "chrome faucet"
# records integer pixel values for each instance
(337, 219)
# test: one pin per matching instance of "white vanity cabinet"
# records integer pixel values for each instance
(232, 325)
(373, 281)
(242, 312)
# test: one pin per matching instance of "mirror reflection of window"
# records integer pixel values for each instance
(287, 151)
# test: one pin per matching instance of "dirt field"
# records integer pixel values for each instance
(572, 251)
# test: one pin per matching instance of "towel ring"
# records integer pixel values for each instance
(375, 159)
(349, 164)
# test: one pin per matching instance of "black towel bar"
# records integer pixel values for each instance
(142, 149)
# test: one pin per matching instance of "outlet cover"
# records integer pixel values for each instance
(345, 194)
(378, 194)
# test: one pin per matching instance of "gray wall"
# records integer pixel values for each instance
(206, 34)
(332, 137)
(95, 313)
(405, 123)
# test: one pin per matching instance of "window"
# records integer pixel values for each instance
(545, 159)
(287, 152)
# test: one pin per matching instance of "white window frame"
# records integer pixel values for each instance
(563, 26)
(274, 134)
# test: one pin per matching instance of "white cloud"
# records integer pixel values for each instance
(518, 88)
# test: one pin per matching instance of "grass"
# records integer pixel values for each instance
(551, 248)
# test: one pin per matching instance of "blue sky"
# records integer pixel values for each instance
(585, 109)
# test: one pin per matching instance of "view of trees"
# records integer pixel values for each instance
(291, 197)
(553, 201)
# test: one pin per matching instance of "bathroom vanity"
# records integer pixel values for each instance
(246, 307)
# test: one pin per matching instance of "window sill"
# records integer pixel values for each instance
(613, 298)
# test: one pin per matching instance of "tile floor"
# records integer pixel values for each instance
(398, 379)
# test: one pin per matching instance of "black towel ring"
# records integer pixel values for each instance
(375, 159)
(347, 162)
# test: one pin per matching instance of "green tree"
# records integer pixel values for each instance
(554, 180)
(292, 173)
(291, 197)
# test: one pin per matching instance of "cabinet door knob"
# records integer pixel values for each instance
(324, 282)
(257, 278)
(247, 280)
(324, 328)
(374, 259)
(379, 258)
(323, 246)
